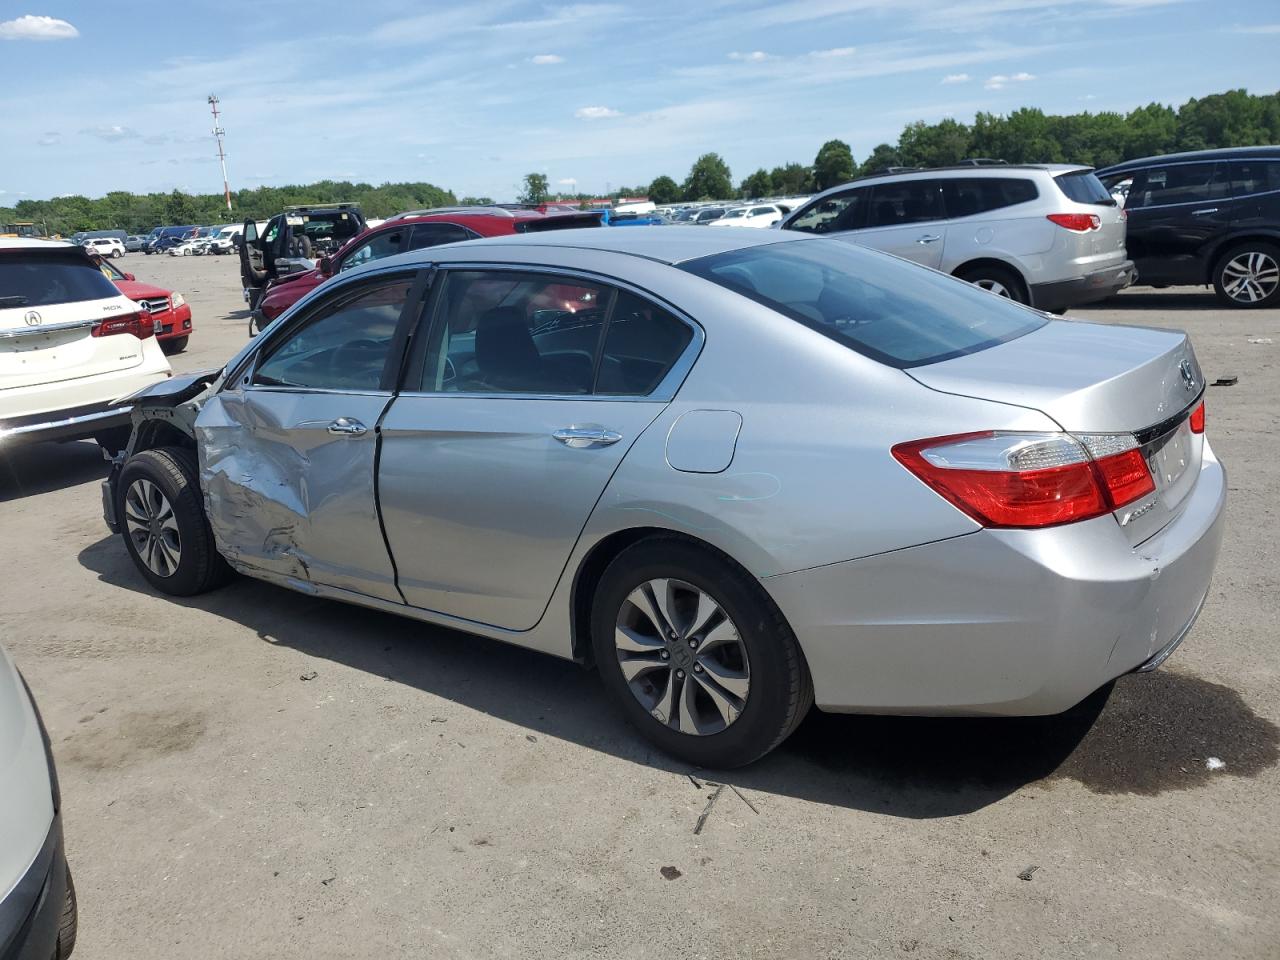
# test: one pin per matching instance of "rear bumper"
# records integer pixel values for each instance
(32, 912)
(1004, 622)
(1061, 294)
(74, 424)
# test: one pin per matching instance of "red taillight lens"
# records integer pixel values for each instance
(1079, 222)
(1197, 419)
(1029, 480)
(139, 324)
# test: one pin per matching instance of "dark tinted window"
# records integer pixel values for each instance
(968, 196)
(1254, 176)
(841, 211)
(886, 308)
(1084, 187)
(504, 332)
(38, 279)
(380, 245)
(912, 201)
(642, 344)
(1176, 183)
(343, 347)
(434, 234)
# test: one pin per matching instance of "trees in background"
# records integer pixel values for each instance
(709, 179)
(833, 165)
(536, 188)
(664, 190)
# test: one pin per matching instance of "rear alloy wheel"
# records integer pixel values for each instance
(1248, 276)
(997, 280)
(116, 254)
(163, 523)
(697, 656)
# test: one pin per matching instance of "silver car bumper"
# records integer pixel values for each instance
(1004, 622)
(63, 425)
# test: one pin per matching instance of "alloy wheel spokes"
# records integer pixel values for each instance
(1251, 277)
(152, 527)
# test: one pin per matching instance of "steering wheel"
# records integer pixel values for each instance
(354, 353)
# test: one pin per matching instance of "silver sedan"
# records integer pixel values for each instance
(739, 472)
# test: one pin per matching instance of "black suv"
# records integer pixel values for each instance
(293, 241)
(1212, 216)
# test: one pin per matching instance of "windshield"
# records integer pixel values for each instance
(883, 307)
(31, 279)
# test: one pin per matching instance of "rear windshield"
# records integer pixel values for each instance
(888, 309)
(1084, 187)
(39, 279)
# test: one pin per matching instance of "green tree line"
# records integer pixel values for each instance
(138, 213)
(1028, 135)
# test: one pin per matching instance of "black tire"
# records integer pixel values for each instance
(116, 254)
(174, 345)
(988, 276)
(186, 252)
(1268, 286)
(68, 925)
(781, 690)
(173, 470)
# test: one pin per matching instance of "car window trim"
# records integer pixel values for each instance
(663, 392)
(242, 377)
(1220, 169)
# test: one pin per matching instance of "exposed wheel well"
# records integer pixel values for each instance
(592, 569)
(157, 433)
(973, 265)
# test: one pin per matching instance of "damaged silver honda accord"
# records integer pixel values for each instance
(740, 472)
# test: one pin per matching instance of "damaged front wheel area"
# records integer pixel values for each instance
(163, 522)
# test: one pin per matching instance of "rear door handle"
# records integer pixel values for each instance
(347, 427)
(579, 437)
(1205, 212)
(929, 238)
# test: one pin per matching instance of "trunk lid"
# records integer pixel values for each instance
(1097, 378)
(61, 346)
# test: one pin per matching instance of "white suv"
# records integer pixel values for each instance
(70, 344)
(104, 246)
(758, 215)
(1049, 235)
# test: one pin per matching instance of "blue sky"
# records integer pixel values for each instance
(104, 96)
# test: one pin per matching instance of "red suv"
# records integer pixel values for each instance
(412, 231)
(170, 311)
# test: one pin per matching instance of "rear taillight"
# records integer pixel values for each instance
(1079, 222)
(1030, 479)
(139, 324)
(1197, 419)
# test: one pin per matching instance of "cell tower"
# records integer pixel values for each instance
(218, 134)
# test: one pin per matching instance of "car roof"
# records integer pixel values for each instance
(1223, 153)
(27, 243)
(670, 244)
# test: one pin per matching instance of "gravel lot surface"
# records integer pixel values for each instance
(430, 794)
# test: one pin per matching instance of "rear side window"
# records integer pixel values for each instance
(642, 344)
(1254, 176)
(912, 201)
(1177, 183)
(843, 211)
(885, 308)
(434, 234)
(967, 196)
(1084, 187)
(43, 278)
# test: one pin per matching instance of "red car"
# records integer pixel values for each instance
(412, 231)
(170, 310)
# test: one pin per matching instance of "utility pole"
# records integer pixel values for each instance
(218, 133)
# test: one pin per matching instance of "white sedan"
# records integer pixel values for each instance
(760, 216)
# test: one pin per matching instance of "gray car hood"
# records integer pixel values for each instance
(26, 794)
(1089, 377)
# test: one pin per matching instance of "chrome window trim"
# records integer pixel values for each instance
(667, 387)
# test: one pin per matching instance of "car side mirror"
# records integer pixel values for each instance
(325, 266)
(130, 276)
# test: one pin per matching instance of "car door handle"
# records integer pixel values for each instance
(929, 238)
(347, 427)
(580, 437)
(1205, 212)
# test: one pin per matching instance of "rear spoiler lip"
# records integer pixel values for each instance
(560, 221)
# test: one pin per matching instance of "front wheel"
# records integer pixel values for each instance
(696, 654)
(1248, 275)
(116, 254)
(163, 522)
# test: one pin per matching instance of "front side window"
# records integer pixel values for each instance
(1176, 183)
(911, 201)
(841, 211)
(342, 346)
(501, 332)
(885, 308)
(385, 244)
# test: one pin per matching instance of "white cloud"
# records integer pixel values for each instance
(833, 53)
(51, 138)
(567, 182)
(37, 28)
(546, 59)
(596, 113)
(112, 132)
(1257, 29)
(956, 78)
(1000, 81)
(755, 56)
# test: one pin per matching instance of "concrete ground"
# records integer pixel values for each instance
(255, 773)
